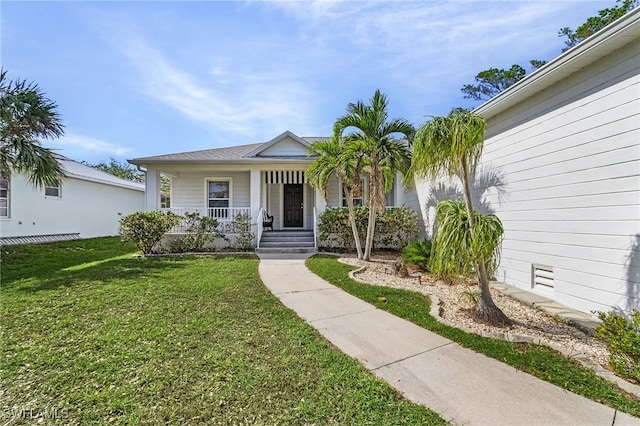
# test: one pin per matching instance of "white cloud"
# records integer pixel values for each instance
(263, 79)
(73, 141)
(454, 35)
(223, 98)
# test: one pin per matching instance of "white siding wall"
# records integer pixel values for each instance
(88, 208)
(309, 203)
(333, 193)
(570, 157)
(189, 188)
(416, 199)
(275, 203)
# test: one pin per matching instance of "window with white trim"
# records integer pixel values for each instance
(4, 196)
(357, 200)
(219, 197)
(52, 191)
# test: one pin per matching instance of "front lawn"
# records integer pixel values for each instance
(539, 361)
(92, 335)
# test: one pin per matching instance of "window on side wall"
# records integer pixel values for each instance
(52, 191)
(4, 196)
(358, 197)
(219, 201)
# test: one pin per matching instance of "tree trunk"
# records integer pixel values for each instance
(371, 226)
(486, 310)
(374, 188)
(352, 220)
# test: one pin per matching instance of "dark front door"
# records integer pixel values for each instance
(293, 206)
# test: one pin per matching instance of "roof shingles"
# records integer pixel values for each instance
(216, 155)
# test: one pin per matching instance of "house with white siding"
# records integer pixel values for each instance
(254, 180)
(561, 169)
(87, 203)
(565, 145)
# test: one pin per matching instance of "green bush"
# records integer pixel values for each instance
(199, 230)
(395, 227)
(622, 336)
(241, 226)
(334, 229)
(417, 253)
(146, 229)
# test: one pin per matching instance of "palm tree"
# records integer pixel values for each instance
(373, 136)
(452, 146)
(27, 115)
(331, 161)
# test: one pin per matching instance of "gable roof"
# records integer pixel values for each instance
(76, 170)
(278, 139)
(234, 154)
(617, 34)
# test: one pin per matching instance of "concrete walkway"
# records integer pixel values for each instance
(462, 386)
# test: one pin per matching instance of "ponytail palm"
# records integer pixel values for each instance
(454, 250)
(452, 146)
(373, 137)
(332, 160)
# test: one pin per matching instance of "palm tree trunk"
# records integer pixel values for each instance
(486, 310)
(374, 189)
(352, 220)
(371, 226)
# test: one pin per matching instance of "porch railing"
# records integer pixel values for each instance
(225, 215)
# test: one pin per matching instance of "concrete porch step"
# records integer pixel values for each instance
(297, 233)
(295, 241)
(283, 238)
(308, 243)
(285, 250)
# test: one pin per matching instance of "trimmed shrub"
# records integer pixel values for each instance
(241, 226)
(334, 229)
(394, 227)
(417, 253)
(200, 230)
(622, 336)
(146, 229)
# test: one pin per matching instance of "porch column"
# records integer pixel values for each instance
(254, 194)
(152, 190)
(399, 189)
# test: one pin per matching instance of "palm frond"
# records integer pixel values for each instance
(457, 246)
(27, 115)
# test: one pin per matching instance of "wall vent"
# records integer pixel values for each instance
(542, 277)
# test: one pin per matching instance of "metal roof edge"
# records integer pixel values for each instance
(603, 42)
(110, 179)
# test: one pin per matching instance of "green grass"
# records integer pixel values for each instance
(95, 336)
(539, 361)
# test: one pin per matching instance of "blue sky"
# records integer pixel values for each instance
(134, 79)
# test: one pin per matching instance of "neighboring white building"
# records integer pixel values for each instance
(565, 141)
(88, 203)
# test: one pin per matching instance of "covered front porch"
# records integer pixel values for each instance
(230, 195)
